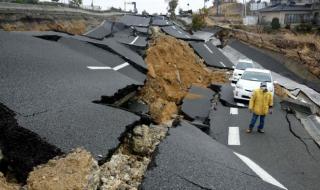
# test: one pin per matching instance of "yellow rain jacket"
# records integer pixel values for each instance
(260, 102)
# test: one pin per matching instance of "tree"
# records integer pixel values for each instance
(197, 21)
(275, 23)
(172, 7)
(76, 3)
(145, 13)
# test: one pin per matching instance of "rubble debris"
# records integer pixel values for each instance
(296, 105)
(280, 91)
(126, 168)
(77, 170)
(170, 75)
(21, 148)
(4, 185)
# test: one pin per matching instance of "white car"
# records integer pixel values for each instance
(251, 80)
(242, 65)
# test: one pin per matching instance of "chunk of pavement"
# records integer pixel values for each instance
(297, 105)
(226, 96)
(160, 22)
(197, 103)
(103, 56)
(132, 20)
(189, 159)
(125, 52)
(101, 31)
(50, 90)
(177, 32)
(77, 170)
(211, 55)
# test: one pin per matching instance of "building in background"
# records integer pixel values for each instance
(291, 12)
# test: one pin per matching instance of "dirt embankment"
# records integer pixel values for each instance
(73, 24)
(304, 48)
(173, 68)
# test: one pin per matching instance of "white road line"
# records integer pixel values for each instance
(134, 40)
(180, 32)
(240, 104)
(174, 27)
(234, 136)
(94, 28)
(187, 36)
(265, 176)
(234, 111)
(222, 64)
(98, 68)
(120, 66)
(205, 45)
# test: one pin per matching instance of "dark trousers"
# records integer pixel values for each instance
(254, 119)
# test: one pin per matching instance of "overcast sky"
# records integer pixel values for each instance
(151, 6)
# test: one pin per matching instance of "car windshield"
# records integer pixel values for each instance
(243, 65)
(256, 76)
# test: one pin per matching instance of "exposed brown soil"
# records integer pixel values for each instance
(77, 171)
(4, 185)
(173, 68)
(280, 91)
(72, 26)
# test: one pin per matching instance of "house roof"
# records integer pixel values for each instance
(286, 7)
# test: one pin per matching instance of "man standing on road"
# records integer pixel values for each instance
(260, 102)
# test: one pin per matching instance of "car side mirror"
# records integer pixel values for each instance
(233, 67)
(275, 82)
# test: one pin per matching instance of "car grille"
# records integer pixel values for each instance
(248, 90)
(243, 96)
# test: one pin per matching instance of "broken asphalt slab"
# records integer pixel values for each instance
(126, 53)
(211, 55)
(101, 31)
(197, 104)
(189, 159)
(177, 32)
(127, 37)
(226, 95)
(50, 89)
(161, 22)
(105, 57)
(132, 20)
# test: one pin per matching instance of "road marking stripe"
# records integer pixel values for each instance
(222, 64)
(234, 111)
(240, 104)
(265, 176)
(205, 45)
(187, 36)
(180, 32)
(98, 68)
(234, 136)
(120, 66)
(174, 27)
(94, 28)
(134, 40)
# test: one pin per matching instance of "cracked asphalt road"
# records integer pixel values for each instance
(292, 160)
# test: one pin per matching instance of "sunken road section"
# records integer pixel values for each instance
(50, 89)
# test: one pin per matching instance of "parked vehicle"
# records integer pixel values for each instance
(242, 65)
(251, 80)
